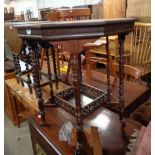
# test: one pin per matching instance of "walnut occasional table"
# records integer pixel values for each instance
(72, 35)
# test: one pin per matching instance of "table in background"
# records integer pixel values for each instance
(114, 140)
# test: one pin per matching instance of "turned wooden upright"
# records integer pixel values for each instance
(72, 35)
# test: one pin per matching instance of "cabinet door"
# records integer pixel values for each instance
(114, 8)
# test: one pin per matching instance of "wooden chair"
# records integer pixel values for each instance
(70, 14)
(100, 52)
(130, 73)
(52, 16)
(140, 47)
(74, 14)
(90, 61)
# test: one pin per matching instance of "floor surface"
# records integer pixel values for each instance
(17, 141)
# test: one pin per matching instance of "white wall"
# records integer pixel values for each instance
(34, 5)
(67, 3)
(23, 5)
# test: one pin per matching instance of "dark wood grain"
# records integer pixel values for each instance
(114, 140)
(67, 30)
(134, 93)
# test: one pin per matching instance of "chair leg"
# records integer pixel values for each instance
(88, 67)
(57, 60)
(42, 57)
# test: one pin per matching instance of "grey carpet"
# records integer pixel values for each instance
(17, 141)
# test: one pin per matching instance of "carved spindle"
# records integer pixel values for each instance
(15, 64)
(36, 79)
(57, 47)
(33, 71)
(26, 60)
(108, 71)
(121, 39)
(38, 63)
(79, 59)
(54, 66)
(19, 73)
(76, 84)
(52, 99)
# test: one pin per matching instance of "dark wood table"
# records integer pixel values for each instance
(114, 139)
(75, 34)
(132, 100)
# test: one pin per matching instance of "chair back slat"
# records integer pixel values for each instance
(53, 16)
(141, 47)
(74, 14)
(130, 73)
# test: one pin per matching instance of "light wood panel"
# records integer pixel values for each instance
(114, 8)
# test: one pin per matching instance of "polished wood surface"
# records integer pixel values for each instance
(139, 94)
(114, 139)
(22, 92)
(83, 29)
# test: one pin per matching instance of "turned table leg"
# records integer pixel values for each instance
(52, 99)
(15, 64)
(108, 71)
(88, 68)
(36, 79)
(121, 39)
(26, 60)
(19, 73)
(75, 65)
(54, 66)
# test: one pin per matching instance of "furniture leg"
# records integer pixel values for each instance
(121, 39)
(19, 70)
(54, 66)
(80, 70)
(108, 71)
(81, 138)
(25, 56)
(16, 112)
(52, 99)
(88, 67)
(57, 59)
(68, 70)
(15, 64)
(36, 79)
(42, 57)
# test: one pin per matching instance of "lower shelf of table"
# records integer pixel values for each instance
(90, 99)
